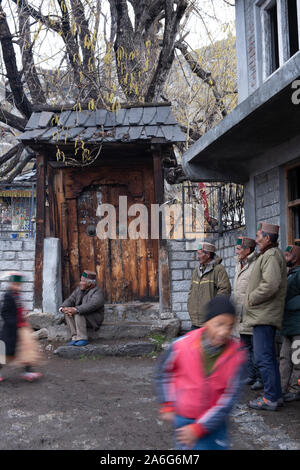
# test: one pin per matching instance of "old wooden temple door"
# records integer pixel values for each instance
(127, 269)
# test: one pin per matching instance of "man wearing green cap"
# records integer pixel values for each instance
(289, 360)
(209, 279)
(84, 308)
(263, 310)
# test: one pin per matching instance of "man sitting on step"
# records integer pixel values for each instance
(84, 308)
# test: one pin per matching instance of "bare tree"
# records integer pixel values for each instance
(101, 53)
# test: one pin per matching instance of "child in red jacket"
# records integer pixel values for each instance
(199, 378)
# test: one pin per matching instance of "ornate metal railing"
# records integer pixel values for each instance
(223, 204)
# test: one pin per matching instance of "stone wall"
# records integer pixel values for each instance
(18, 255)
(267, 198)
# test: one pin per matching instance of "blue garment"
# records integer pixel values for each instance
(216, 440)
(265, 358)
(253, 371)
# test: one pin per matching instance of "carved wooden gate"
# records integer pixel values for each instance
(126, 268)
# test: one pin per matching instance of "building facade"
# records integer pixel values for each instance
(259, 141)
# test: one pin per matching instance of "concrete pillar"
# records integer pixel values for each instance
(52, 287)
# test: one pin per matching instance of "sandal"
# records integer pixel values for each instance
(262, 403)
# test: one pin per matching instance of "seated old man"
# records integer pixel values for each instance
(84, 308)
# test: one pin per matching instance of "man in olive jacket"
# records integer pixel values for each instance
(263, 310)
(289, 358)
(209, 279)
(84, 307)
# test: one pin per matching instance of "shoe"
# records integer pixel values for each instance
(263, 404)
(258, 385)
(280, 402)
(81, 342)
(291, 396)
(72, 343)
(249, 381)
(31, 376)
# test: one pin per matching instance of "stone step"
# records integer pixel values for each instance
(133, 330)
(119, 348)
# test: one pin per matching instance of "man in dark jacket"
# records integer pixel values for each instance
(84, 308)
(289, 361)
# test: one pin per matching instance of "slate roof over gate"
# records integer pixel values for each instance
(126, 125)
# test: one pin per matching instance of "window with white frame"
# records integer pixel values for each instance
(278, 32)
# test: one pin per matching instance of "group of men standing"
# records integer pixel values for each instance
(267, 301)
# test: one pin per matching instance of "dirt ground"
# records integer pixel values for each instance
(109, 403)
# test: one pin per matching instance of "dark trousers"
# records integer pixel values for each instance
(253, 371)
(266, 361)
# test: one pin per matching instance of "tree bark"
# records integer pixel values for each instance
(21, 101)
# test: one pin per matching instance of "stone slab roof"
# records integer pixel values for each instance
(151, 123)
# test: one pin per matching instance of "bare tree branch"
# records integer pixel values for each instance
(13, 151)
(203, 75)
(18, 169)
(30, 72)
(21, 101)
(10, 119)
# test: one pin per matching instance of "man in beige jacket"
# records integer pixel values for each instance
(209, 279)
(245, 260)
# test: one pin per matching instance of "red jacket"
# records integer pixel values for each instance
(183, 386)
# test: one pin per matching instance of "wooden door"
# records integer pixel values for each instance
(126, 269)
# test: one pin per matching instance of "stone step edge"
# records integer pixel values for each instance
(131, 349)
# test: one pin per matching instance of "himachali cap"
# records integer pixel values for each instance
(268, 228)
(89, 275)
(293, 249)
(207, 247)
(16, 277)
(246, 242)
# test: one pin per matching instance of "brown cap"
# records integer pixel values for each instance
(268, 228)
(246, 242)
(89, 275)
(207, 247)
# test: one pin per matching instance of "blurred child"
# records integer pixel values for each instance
(21, 348)
(199, 378)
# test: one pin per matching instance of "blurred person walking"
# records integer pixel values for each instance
(198, 380)
(21, 347)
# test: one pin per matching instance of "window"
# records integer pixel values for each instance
(274, 45)
(293, 204)
(277, 34)
(293, 27)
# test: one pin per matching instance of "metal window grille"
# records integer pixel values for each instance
(223, 204)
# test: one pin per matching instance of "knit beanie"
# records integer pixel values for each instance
(219, 305)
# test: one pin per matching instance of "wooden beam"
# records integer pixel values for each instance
(163, 258)
(40, 229)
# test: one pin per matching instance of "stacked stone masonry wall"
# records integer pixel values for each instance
(18, 255)
(267, 197)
